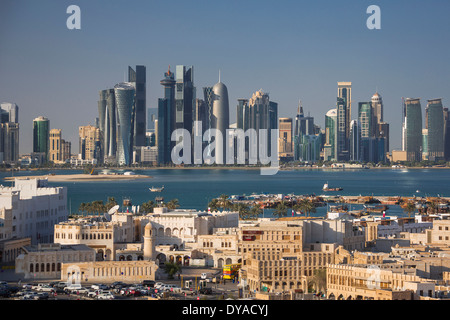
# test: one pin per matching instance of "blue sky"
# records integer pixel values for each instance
(291, 49)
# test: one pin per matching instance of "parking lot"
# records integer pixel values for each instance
(187, 286)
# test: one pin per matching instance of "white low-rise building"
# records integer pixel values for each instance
(29, 210)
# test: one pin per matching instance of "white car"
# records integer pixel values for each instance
(158, 284)
(105, 296)
(45, 288)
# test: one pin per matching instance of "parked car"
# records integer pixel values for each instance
(30, 296)
(27, 286)
(158, 285)
(106, 296)
(45, 288)
(205, 291)
(42, 296)
(4, 293)
(148, 283)
(72, 287)
(100, 287)
(81, 290)
(187, 291)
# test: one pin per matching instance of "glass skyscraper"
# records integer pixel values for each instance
(435, 126)
(412, 129)
(41, 130)
(166, 114)
(138, 79)
(124, 95)
(330, 135)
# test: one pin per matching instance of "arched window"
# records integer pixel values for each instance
(37, 267)
(48, 267)
(58, 267)
(31, 267)
(53, 267)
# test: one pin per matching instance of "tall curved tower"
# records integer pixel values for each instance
(220, 118)
(124, 95)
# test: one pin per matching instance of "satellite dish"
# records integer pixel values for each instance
(113, 209)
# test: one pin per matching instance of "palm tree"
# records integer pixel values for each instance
(172, 204)
(243, 209)
(255, 211)
(306, 206)
(213, 205)
(281, 210)
(111, 203)
(82, 208)
(147, 207)
(410, 207)
(171, 268)
(224, 202)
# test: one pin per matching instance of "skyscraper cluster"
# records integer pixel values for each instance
(121, 122)
(9, 132)
(428, 141)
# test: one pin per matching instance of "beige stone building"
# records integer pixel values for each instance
(55, 147)
(109, 271)
(370, 282)
(288, 255)
(43, 261)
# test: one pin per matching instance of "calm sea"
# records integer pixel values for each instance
(195, 188)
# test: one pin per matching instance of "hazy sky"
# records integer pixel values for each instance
(291, 49)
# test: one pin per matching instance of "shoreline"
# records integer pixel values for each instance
(81, 177)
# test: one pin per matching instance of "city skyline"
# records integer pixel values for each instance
(309, 54)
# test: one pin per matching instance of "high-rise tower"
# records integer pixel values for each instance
(124, 95)
(166, 114)
(412, 129)
(41, 131)
(138, 79)
(220, 119)
(435, 125)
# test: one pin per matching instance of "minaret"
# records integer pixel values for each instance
(149, 244)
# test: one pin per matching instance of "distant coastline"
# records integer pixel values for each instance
(81, 177)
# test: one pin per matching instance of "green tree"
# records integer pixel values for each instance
(281, 210)
(171, 268)
(213, 205)
(224, 202)
(110, 203)
(243, 210)
(432, 207)
(318, 282)
(409, 208)
(255, 211)
(306, 206)
(172, 204)
(147, 207)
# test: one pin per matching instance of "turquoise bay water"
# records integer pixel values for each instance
(195, 188)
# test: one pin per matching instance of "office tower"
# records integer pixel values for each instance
(330, 135)
(103, 121)
(303, 126)
(184, 98)
(383, 132)
(11, 111)
(355, 137)
(242, 114)
(111, 126)
(263, 114)
(41, 131)
(166, 122)
(55, 152)
(124, 95)
(66, 147)
(152, 115)
(285, 150)
(425, 140)
(412, 129)
(435, 125)
(311, 145)
(220, 119)
(138, 79)
(342, 140)
(345, 92)
(365, 119)
(9, 135)
(89, 141)
(446, 134)
(377, 105)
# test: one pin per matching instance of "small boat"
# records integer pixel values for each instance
(154, 189)
(327, 188)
